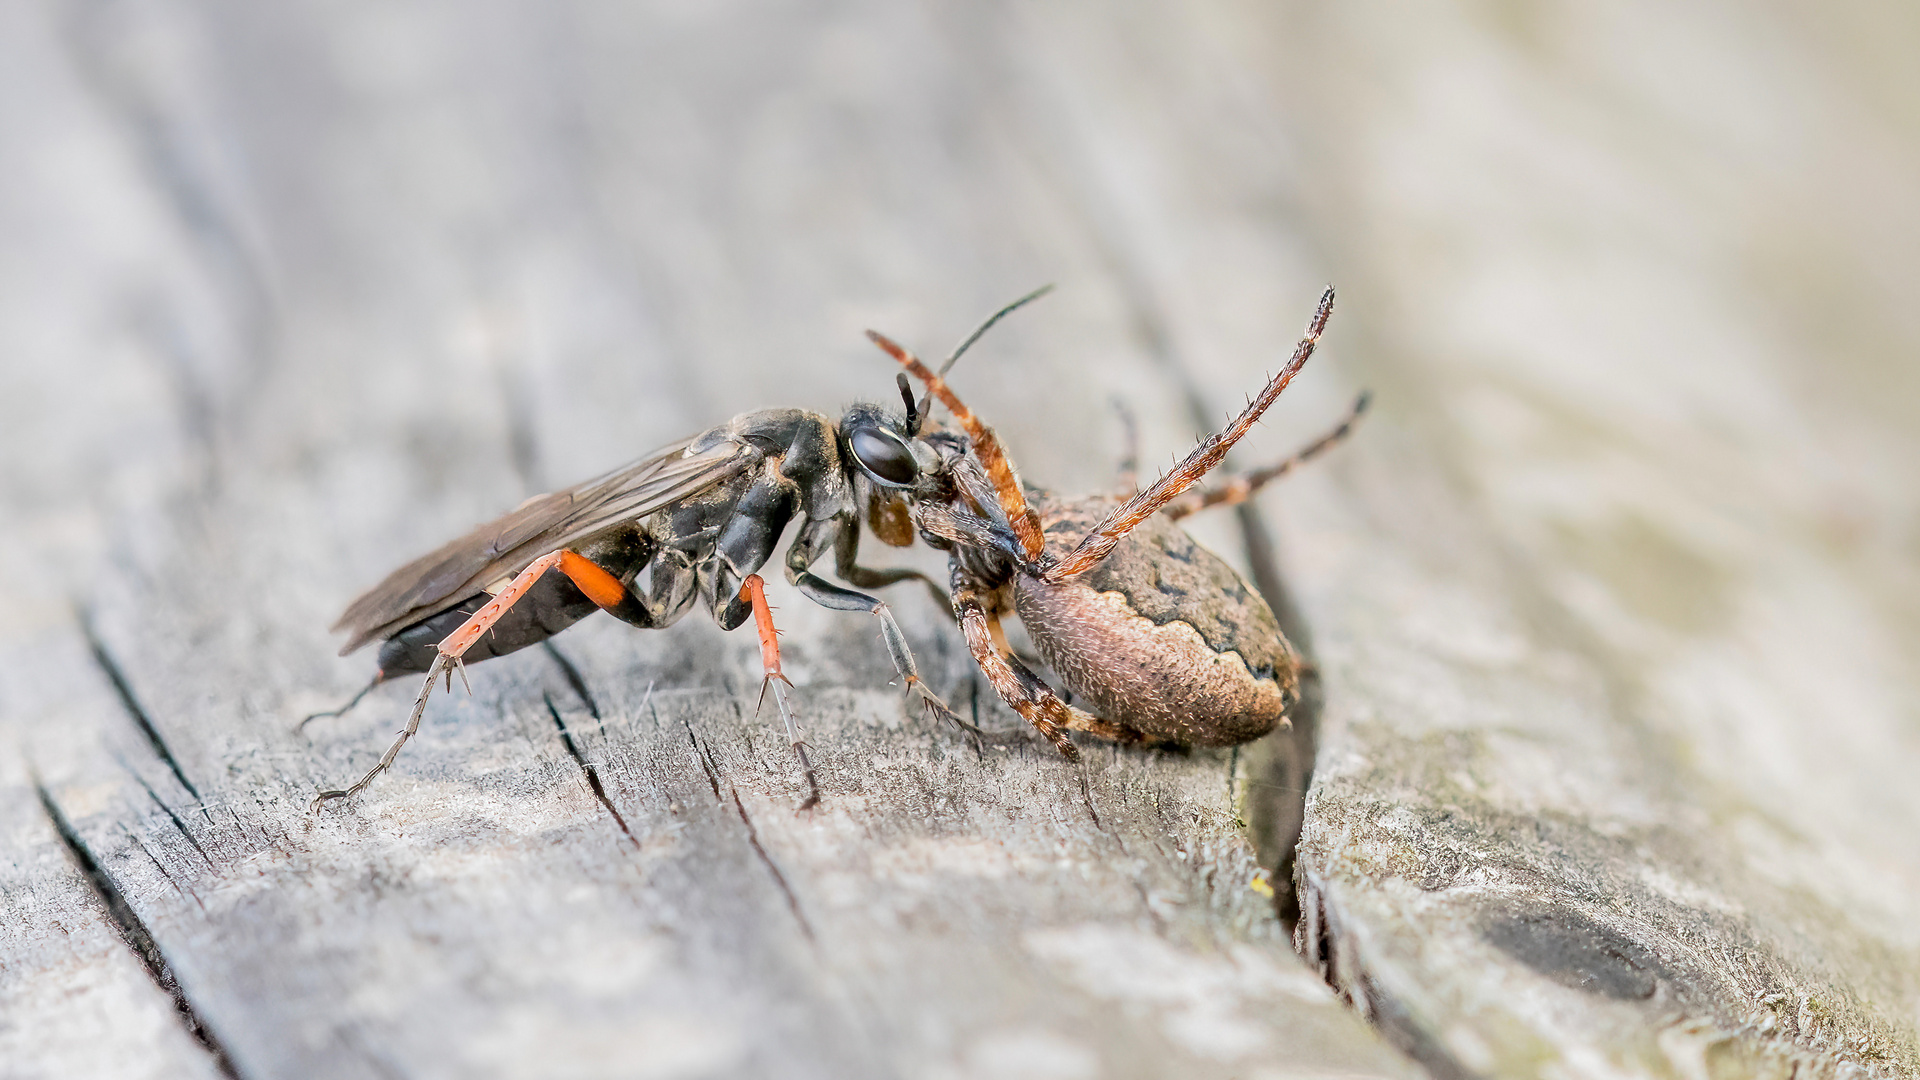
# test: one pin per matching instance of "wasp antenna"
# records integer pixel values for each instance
(986, 447)
(906, 395)
(947, 364)
(926, 403)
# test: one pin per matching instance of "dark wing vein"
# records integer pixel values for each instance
(544, 523)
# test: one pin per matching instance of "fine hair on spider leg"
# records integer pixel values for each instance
(1240, 488)
(1100, 542)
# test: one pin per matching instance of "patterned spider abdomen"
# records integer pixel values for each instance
(1162, 637)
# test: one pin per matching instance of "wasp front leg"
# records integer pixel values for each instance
(846, 556)
(801, 556)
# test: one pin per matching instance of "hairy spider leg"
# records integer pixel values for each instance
(753, 590)
(981, 629)
(1027, 693)
(986, 447)
(601, 587)
(1099, 543)
(1239, 489)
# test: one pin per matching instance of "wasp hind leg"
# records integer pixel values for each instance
(601, 587)
(342, 710)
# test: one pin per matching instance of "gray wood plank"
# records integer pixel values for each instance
(1616, 772)
(69, 978)
(1612, 599)
(451, 261)
(80, 391)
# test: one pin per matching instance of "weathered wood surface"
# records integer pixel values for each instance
(1614, 599)
(325, 285)
(1617, 612)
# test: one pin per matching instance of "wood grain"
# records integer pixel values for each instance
(429, 260)
(1612, 597)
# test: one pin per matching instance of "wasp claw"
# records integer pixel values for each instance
(764, 684)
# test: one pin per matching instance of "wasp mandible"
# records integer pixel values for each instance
(1163, 639)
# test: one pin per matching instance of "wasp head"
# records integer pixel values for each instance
(884, 450)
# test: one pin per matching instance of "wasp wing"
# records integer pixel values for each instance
(544, 523)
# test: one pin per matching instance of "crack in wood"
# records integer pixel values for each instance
(162, 867)
(111, 668)
(706, 761)
(133, 930)
(593, 774)
(1319, 942)
(1149, 327)
(152, 858)
(1302, 733)
(780, 879)
(1086, 796)
(165, 809)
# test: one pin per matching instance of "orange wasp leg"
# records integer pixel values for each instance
(754, 591)
(601, 587)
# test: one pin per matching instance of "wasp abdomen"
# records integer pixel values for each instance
(1163, 636)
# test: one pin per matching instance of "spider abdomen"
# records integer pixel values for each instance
(1162, 637)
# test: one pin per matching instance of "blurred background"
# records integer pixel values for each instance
(304, 288)
(1637, 278)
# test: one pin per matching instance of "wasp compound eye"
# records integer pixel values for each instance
(883, 456)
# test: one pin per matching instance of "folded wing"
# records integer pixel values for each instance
(544, 523)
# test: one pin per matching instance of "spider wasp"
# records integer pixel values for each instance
(1158, 637)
